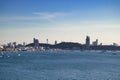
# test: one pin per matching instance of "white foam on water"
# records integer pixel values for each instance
(18, 54)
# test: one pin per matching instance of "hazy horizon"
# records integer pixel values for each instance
(61, 20)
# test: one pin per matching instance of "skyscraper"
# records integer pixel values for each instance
(47, 41)
(35, 43)
(87, 42)
(55, 42)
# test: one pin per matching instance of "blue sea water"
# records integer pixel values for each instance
(60, 65)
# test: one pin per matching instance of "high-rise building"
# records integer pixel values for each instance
(87, 42)
(24, 43)
(10, 45)
(95, 43)
(47, 41)
(14, 44)
(0, 45)
(36, 43)
(55, 42)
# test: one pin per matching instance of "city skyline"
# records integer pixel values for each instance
(61, 20)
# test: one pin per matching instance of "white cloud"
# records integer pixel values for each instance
(48, 15)
(35, 16)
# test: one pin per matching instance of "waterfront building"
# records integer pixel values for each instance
(55, 42)
(10, 45)
(35, 43)
(1, 47)
(87, 42)
(95, 43)
(100, 44)
(47, 41)
(14, 44)
(115, 44)
(24, 44)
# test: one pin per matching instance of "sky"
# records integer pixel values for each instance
(61, 20)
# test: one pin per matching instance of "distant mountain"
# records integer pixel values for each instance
(68, 45)
(62, 45)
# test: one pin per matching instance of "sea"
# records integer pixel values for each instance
(60, 65)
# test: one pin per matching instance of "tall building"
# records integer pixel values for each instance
(87, 42)
(35, 43)
(10, 45)
(0, 45)
(14, 44)
(95, 43)
(55, 42)
(47, 41)
(24, 43)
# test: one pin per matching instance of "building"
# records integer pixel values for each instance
(10, 45)
(14, 44)
(24, 44)
(35, 43)
(100, 44)
(47, 41)
(87, 42)
(115, 44)
(55, 42)
(1, 47)
(95, 43)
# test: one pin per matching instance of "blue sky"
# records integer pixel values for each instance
(61, 20)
